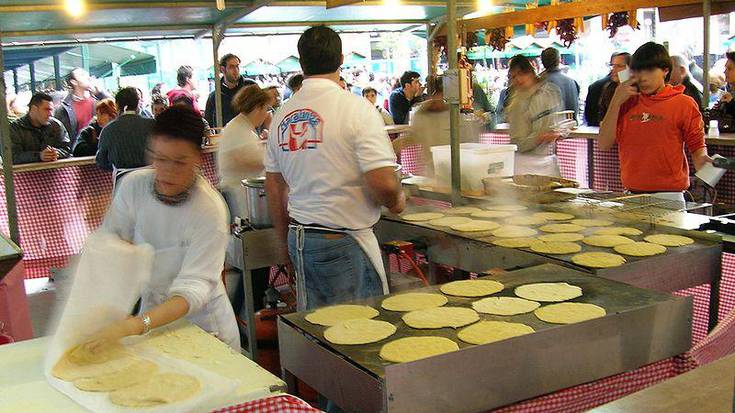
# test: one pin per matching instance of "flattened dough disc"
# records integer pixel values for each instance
(413, 301)
(514, 242)
(422, 216)
(530, 220)
(135, 373)
(475, 226)
(607, 241)
(441, 317)
(561, 237)
(512, 208)
(555, 247)
(504, 305)
(640, 249)
(569, 313)
(329, 316)
(592, 222)
(514, 231)
(598, 260)
(360, 331)
(618, 231)
(554, 228)
(461, 210)
(490, 331)
(449, 221)
(669, 240)
(548, 292)
(408, 349)
(471, 288)
(492, 214)
(159, 389)
(554, 216)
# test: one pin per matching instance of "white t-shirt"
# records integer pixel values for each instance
(322, 141)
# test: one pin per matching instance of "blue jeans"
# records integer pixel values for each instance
(335, 268)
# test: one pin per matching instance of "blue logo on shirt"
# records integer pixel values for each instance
(300, 130)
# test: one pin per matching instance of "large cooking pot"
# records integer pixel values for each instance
(257, 203)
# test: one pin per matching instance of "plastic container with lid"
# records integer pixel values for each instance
(477, 160)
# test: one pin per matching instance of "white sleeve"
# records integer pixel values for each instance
(119, 219)
(370, 140)
(202, 266)
(271, 161)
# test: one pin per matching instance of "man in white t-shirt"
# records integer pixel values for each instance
(329, 168)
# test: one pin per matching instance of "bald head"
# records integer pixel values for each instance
(680, 69)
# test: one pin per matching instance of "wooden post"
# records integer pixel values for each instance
(8, 157)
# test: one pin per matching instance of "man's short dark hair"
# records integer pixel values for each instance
(39, 97)
(625, 55)
(223, 60)
(127, 98)
(183, 75)
(183, 100)
(180, 123)
(730, 56)
(295, 81)
(521, 63)
(408, 77)
(320, 51)
(550, 58)
(652, 56)
(368, 90)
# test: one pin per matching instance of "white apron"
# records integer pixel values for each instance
(530, 163)
(365, 238)
(217, 316)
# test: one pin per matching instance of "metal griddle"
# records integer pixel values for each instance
(641, 327)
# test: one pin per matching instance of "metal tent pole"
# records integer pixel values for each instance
(430, 70)
(57, 72)
(7, 158)
(32, 70)
(454, 103)
(706, 12)
(217, 36)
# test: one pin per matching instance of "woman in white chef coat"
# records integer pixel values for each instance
(175, 210)
(530, 113)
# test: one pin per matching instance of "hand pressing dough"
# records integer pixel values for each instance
(525, 221)
(492, 214)
(329, 316)
(82, 355)
(618, 231)
(108, 359)
(640, 249)
(475, 226)
(548, 292)
(491, 331)
(555, 247)
(140, 370)
(598, 260)
(561, 237)
(513, 208)
(360, 331)
(514, 231)
(413, 301)
(592, 222)
(504, 306)
(462, 210)
(408, 349)
(554, 228)
(607, 241)
(422, 216)
(159, 389)
(554, 216)
(668, 240)
(514, 242)
(471, 288)
(441, 317)
(449, 221)
(569, 313)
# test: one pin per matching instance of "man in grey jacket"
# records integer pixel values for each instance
(37, 136)
(123, 142)
(551, 59)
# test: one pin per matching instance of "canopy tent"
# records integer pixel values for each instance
(289, 64)
(354, 59)
(524, 45)
(260, 67)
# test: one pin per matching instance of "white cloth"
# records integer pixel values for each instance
(189, 240)
(240, 154)
(530, 163)
(322, 141)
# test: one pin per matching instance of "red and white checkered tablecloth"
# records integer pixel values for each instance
(284, 403)
(726, 186)
(606, 169)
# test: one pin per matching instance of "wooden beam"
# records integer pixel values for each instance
(566, 11)
(324, 22)
(59, 7)
(337, 3)
(689, 11)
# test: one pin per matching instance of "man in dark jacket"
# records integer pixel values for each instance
(601, 92)
(680, 76)
(123, 142)
(405, 96)
(77, 109)
(569, 87)
(37, 136)
(232, 82)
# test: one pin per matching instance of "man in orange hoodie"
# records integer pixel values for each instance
(651, 122)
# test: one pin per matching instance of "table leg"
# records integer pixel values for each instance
(291, 382)
(714, 303)
(591, 163)
(252, 346)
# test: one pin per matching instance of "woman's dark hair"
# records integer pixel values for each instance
(730, 56)
(250, 98)
(368, 90)
(295, 81)
(106, 106)
(180, 123)
(320, 51)
(39, 97)
(651, 56)
(127, 98)
(183, 75)
(521, 63)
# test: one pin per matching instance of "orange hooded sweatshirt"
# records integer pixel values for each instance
(651, 133)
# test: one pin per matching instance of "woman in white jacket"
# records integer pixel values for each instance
(175, 210)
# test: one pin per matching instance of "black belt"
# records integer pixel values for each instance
(316, 228)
